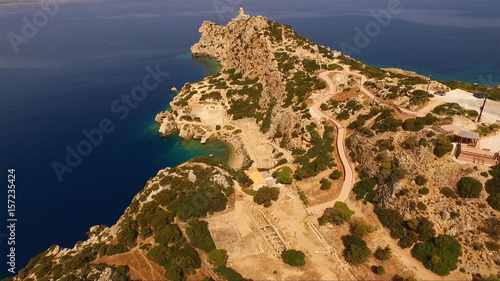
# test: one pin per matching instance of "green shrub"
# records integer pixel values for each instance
(294, 258)
(335, 175)
(325, 184)
(383, 254)
(361, 227)
(494, 201)
(128, 232)
(448, 192)
(391, 219)
(469, 187)
(198, 233)
(484, 174)
(421, 206)
(439, 254)
(420, 180)
(492, 246)
(408, 239)
(356, 252)
(363, 187)
(343, 115)
(265, 195)
(443, 146)
(339, 214)
(423, 191)
(379, 270)
(283, 175)
(218, 257)
(228, 273)
(166, 234)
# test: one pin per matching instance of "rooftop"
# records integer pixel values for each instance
(469, 135)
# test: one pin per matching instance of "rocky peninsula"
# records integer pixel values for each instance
(316, 124)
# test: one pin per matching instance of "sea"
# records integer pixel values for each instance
(67, 68)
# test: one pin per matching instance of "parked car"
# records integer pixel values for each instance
(440, 93)
(479, 95)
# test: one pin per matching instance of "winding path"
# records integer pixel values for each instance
(341, 148)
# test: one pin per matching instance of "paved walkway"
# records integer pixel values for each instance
(341, 149)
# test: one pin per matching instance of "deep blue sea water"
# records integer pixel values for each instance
(66, 77)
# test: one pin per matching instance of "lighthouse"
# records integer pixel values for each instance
(241, 14)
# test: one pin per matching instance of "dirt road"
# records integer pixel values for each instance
(341, 149)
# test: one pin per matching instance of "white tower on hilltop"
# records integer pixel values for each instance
(242, 15)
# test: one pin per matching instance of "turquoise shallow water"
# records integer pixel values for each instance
(66, 77)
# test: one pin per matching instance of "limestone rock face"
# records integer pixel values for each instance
(239, 45)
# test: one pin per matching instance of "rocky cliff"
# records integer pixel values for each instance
(267, 73)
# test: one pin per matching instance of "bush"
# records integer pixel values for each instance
(448, 192)
(339, 214)
(325, 184)
(391, 219)
(128, 232)
(421, 206)
(443, 146)
(408, 239)
(383, 254)
(228, 273)
(361, 227)
(363, 187)
(218, 257)
(440, 254)
(167, 234)
(335, 175)
(423, 191)
(494, 201)
(379, 270)
(198, 233)
(492, 246)
(294, 258)
(420, 180)
(356, 252)
(469, 187)
(284, 175)
(265, 195)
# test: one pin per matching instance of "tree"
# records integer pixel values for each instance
(339, 214)
(494, 201)
(218, 257)
(469, 187)
(167, 234)
(335, 175)
(356, 252)
(383, 254)
(265, 195)
(360, 227)
(439, 254)
(198, 233)
(408, 239)
(325, 184)
(294, 258)
(420, 180)
(379, 270)
(443, 146)
(284, 175)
